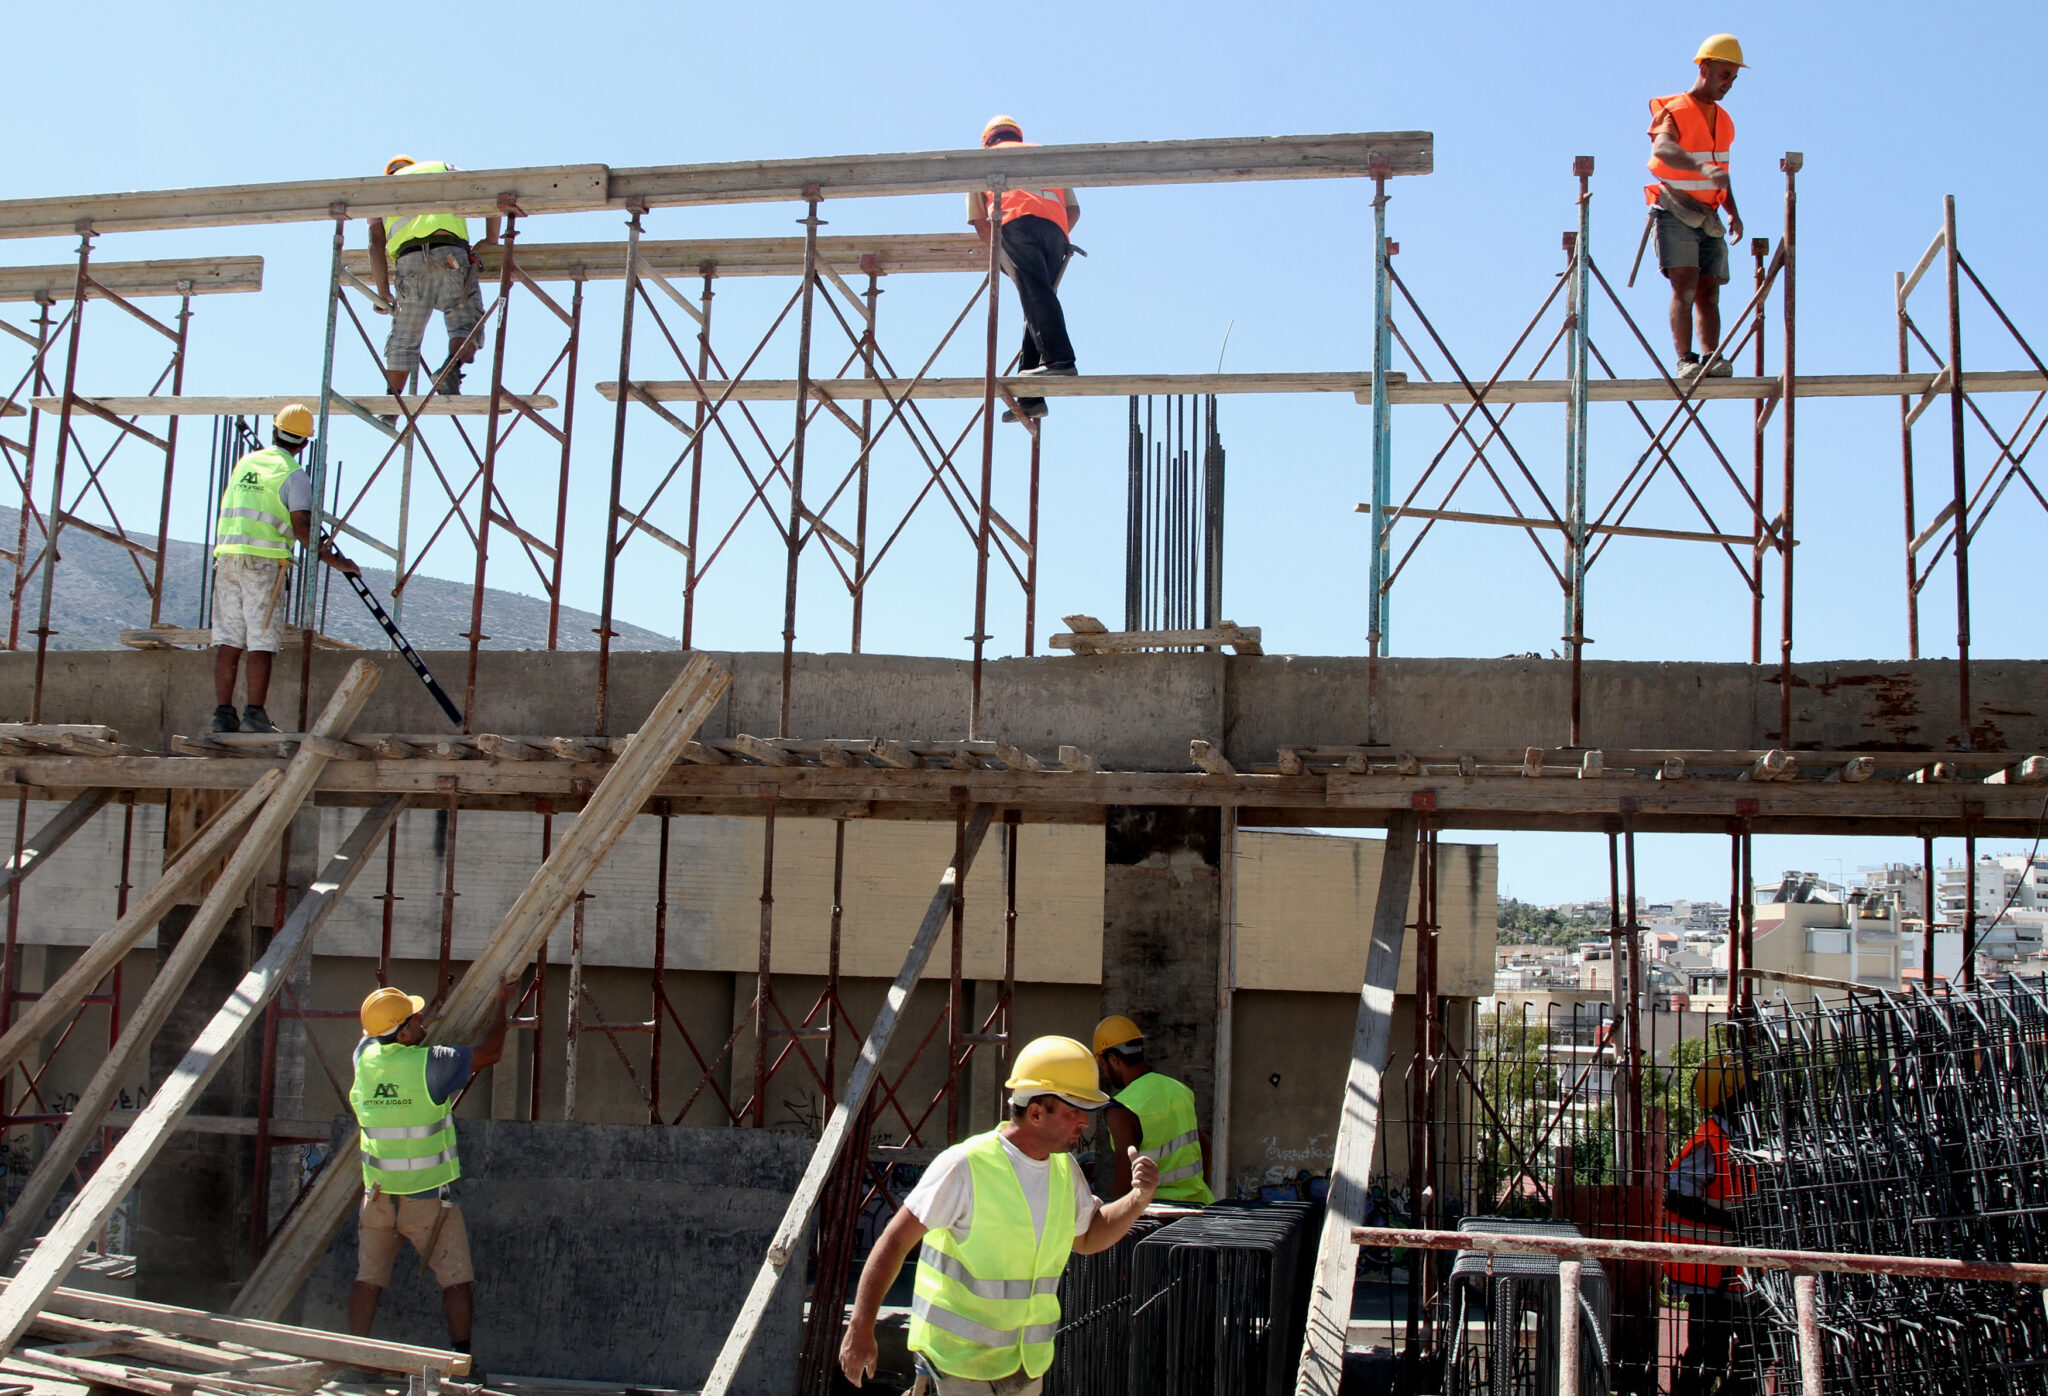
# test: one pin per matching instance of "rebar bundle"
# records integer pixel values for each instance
(1219, 1301)
(1092, 1349)
(1900, 1125)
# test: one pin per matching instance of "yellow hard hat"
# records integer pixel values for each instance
(1057, 1066)
(294, 419)
(1719, 1077)
(1001, 123)
(1722, 48)
(397, 163)
(1115, 1031)
(386, 1008)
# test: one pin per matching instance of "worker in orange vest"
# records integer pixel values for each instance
(1690, 134)
(1035, 224)
(1702, 1197)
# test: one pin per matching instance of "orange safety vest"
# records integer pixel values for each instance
(1724, 1189)
(1049, 204)
(1705, 131)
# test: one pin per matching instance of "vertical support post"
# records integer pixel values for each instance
(1748, 917)
(163, 517)
(1380, 601)
(763, 983)
(1906, 475)
(53, 520)
(316, 463)
(1735, 961)
(1788, 411)
(1568, 1273)
(811, 223)
(1037, 428)
(1957, 462)
(1218, 1159)
(1969, 911)
(572, 1014)
(537, 1071)
(1759, 249)
(1812, 1371)
(832, 1007)
(979, 638)
(1577, 358)
(1927, 912)
(611, 516)
(444, 977)
(702, 415)
(488, 483)
(572, 352)
(953, 995)
(39, 384)
(1013, 826)
(659, 1004)
(1631, 1021)
(860, 499)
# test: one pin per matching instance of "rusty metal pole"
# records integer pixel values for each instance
(1632, 1023)
(163, 517)
(1735, 965)
(1031, 549)
(1787, 411)
(1759, 249)
(1906, 473)
(867, 438)
(1568, 1273)
(571, 353)
(1957, 462)
(811, 223)
(1969, 911)
(1748, 917)
(954, 1035)
(1812, 1371)
(39, 385)
(979, 638)
(832, 1014)
(763, 984)
(660, 990)
(1927, 904)
(701, 416)
(488, 483)
(52, 521)
(1577, 366)
(611, 517)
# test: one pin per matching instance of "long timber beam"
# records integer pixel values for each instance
(460, 405)
(606, 261)
(182, 276)
(1862, 806)
(585, 188)
(1401, 391)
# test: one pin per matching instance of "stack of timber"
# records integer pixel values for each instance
(1087, 635)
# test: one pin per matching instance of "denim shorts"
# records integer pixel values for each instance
(1682, 246)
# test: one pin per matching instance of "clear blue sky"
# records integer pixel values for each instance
(1891, 106)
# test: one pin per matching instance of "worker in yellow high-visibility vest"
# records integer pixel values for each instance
(404, 1102)
(429, 261)
(1151, 1112)
(998, 1215)
(267, 503)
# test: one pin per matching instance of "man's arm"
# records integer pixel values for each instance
(1113, 1219)
(857, 1353)
(1664, 145)
(491, 1050)
(1125, 1134)
(977, 214)
(378, 267)
(302, 525)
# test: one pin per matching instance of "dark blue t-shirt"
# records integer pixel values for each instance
(448, 1069)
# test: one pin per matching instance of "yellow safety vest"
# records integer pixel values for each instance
(253, 519)
(408, 1137)
(426, 224)
(1167, 1135)
(983, 1310)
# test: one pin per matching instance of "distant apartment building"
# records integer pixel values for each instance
(1856, 939)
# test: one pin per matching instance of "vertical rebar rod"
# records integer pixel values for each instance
(1568, 1272)
(811, 222)
(1735, 965)
(572, 1015)
(611, 517)
(1748, 917)
(988, 457)
(1812, 1372)
(445, 972)
(1788, 410)
(1013, 826)
(1031, 544)
(538, 1058)
(1961, 522)
(1134, 525)
(1631, 1133)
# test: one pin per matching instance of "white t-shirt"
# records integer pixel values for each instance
(944, 1198)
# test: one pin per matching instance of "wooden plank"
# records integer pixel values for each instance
(175, 969)
(289, 950)
(51, 837)
(1245, 639)
(629, 782)
(312, 1344)
(796, 1219)
(580, 188)
(458, 405)
(197, 276)
(1411, 393)
(46, 1012)
(606, 261)
(157, 637)
(1329, 1309)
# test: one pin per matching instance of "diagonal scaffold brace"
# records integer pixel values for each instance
(400, 643)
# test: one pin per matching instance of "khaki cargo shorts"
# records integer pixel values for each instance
(248, 602)
(385, 1223)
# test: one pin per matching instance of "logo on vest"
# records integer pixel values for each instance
(251, 478)
(386, 1091)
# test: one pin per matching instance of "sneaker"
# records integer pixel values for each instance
(254, 719)
(1033, 407)
(224, 719)
(1687, 370)
(449, 380)
(1065, 370)
(1718, 367)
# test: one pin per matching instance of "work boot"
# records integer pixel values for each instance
(449, 380)
(1033, 407)
(254, 719)
(1065, 370)
(1687, 369)
(224, 719)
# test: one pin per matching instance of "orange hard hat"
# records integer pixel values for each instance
(397, 163)
(998, 125)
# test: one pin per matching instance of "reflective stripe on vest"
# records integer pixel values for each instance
(1167, 1135)
(425, 225)
(408, 1138)
(984, 1309)
(253, 519)
(1705, 132)
(1724, 1189)
(1049, 204)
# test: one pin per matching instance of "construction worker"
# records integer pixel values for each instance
(268, 502)
(998, 1215)
(404, 1095)
(1035, 223)
(433, 267)
(1690, 134)
(1703, 1193)
(1150, 1112)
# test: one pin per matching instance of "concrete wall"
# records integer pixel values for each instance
(618, 1253)
(1130, 711)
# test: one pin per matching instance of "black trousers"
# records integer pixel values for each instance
(1713, 1348)
(1036, 249)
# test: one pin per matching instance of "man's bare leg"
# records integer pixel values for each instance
(225, 660)
(1707, 307)
(362, 1307)
(259, 678)
(1685, 288)
(458, 1304)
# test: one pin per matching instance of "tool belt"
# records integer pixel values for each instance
(431, 240)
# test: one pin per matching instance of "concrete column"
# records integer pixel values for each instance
(1162, 923)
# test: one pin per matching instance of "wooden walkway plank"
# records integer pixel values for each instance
(122, 1168)
(796, 1219)
(175, 970)
(1329, 1308)
(628, 784)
